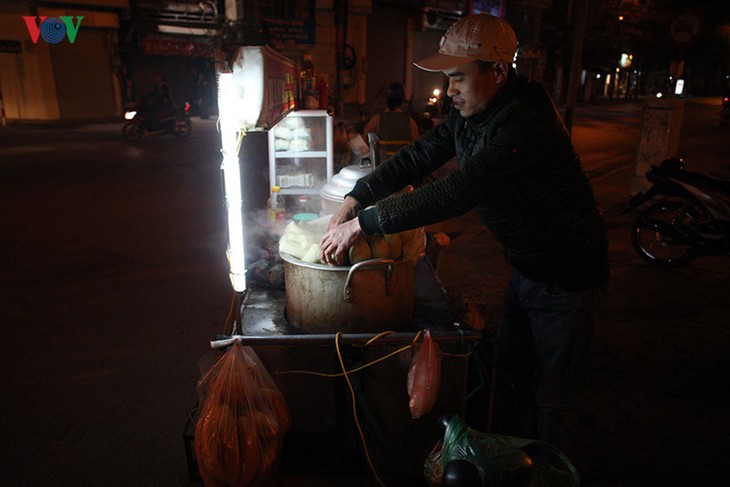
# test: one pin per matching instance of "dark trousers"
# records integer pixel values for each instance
(543, 357)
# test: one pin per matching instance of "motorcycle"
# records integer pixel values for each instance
(143, 122)
(725, 110)
(689, 216)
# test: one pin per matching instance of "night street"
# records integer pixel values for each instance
(115, 278)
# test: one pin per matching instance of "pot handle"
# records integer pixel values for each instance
(369, 264)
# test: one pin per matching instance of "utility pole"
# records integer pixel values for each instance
(576, 63)
(3, 120)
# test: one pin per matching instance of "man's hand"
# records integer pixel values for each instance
(347, 211)
(338, 240)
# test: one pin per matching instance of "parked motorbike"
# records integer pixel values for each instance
(689, 215)
(143, 122)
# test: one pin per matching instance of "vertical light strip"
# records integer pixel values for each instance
(231, 132)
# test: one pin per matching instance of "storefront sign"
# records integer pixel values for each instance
(290, 34)
(169, 46)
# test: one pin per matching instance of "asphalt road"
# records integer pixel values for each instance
(114, 279)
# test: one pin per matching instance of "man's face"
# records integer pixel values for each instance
(471, 90)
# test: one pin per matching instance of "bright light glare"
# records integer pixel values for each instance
(250, 79)
(436, 92)
(129, 115)
(679, 87)
(659, 95)
(229, 127)
(626, 60)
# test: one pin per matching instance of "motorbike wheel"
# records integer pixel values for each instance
(183, 128)
(656, 247)
(132, 132)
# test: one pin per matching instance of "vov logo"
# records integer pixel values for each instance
(53, 29)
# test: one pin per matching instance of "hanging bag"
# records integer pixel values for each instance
(424, 377)
(243, 418)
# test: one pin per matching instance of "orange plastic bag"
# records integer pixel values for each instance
(243, 418)
(424, 377)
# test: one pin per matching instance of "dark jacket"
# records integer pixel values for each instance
(517, 166)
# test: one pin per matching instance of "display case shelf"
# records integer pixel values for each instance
(300, 153)
(299, 191)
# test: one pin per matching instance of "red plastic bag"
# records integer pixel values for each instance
(424, 377)
(243, 418)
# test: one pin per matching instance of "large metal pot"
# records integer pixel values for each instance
(334, 191)
(370, 296)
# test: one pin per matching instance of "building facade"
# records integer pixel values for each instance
(59, 60)
(112, 48)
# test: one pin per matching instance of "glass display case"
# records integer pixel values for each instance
(300, 157)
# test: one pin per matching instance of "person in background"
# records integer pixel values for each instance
(518, 168)
(202, 95)
(160, 98)
(159, 101)
(394, 127)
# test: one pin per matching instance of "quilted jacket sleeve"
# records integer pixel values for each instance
(512, 141)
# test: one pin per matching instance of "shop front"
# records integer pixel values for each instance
(60, 62)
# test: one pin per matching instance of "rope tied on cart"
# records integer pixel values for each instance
(362, 367)
(354, 400)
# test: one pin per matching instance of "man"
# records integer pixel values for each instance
(160, 98)
(159, 103)
(394, 127)
(202, 95)
(518, 168)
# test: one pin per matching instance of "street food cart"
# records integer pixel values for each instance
(346, 387)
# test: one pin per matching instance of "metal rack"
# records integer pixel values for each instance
(321, 406)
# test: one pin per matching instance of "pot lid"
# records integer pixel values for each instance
(343, 182)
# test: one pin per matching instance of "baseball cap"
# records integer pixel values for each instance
(481, 36)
